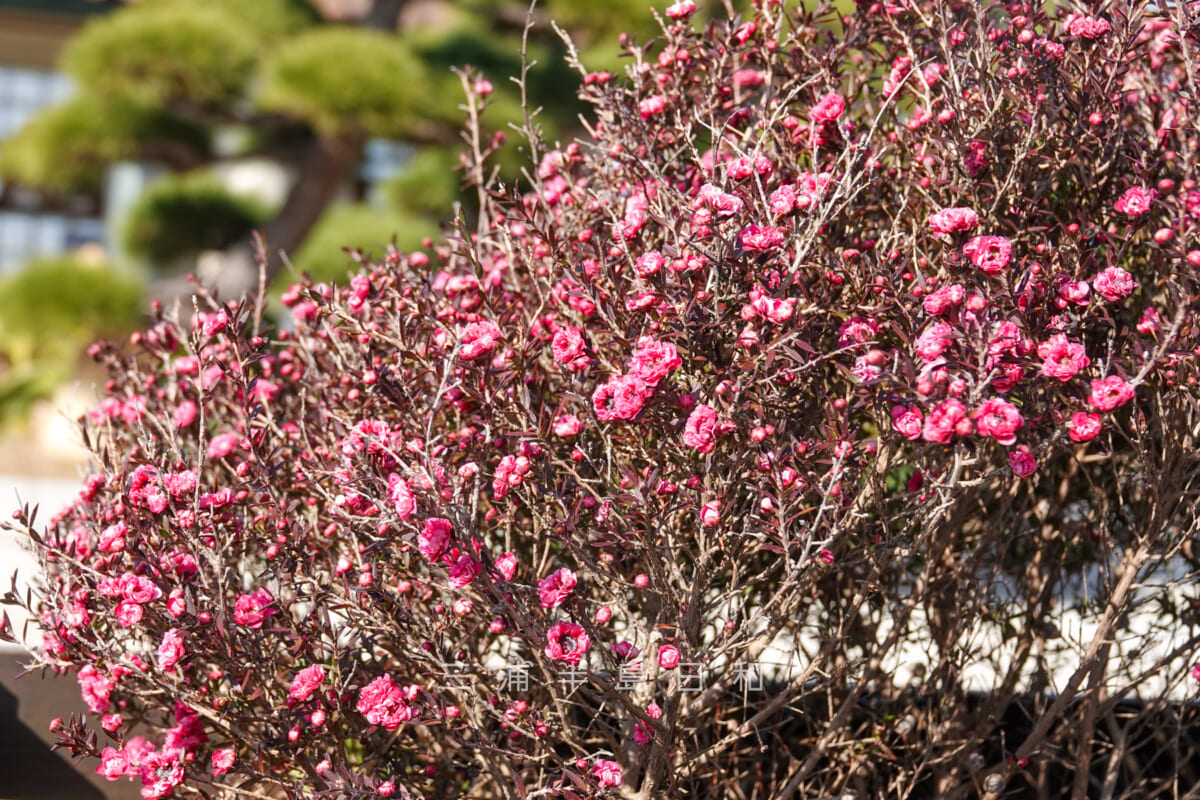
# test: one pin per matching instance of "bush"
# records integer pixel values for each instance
(167, 53)
(372, 90)
(863, 345)
(55, 307)
(49, 311)
(426, 185)
(182, 215)
(70, 146)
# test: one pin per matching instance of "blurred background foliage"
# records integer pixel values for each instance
(184, 214)
(188, 89)
(356, 226)
(49, 312)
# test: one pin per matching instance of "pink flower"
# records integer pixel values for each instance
(112, 538)
(858, 330)
(176, 604)
(643, 734)
(1022, 462)
(649, 263)
(1063, 358)
(555, 588)
(507, 565)
(137, 589)
(933, 342)
(161, 773)
(1136, 201)
(170, 650)
(828, 109)
(654, 360)
(950, 220)
(251, 610)
(464, 571)
(434, 540)
(95, 689)
(944, 299)
(681, 10)
(998, 419)
(567, 642)
(569, 348)
(761, 238)
(222, 761)
(305, 683)
(1084, 426)
(710, 513)
(567, 425)
(223, 444)
(1076, 292)
(210, 324)
(1083, 27)
(607, 773)
(943, 420)
(137, 750)
(1114, 284)
(1148, 324)
(478, 339)
(76, 615)
(621, 397)
(509, 473)
(864, 370)
(655, 104)
(907, 421)
(989, 254)
(775, 309)
(401, 496)
(1109, 393)
(749, 77)
(1196, 672)
(128, 614)
(385, 704)
(725, 205)
(180, 483)
(782, 200)
(113, 764)
(700, 431)
(668, 656)
(810, 188)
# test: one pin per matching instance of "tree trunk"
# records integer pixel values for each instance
(384, 15)
(321, 174)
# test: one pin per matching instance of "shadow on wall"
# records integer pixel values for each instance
(29, 769)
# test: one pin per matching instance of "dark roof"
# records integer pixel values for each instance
(61, 8)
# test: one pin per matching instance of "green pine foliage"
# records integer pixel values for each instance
(68, 147)
(344, 81)
(50, 309)
(48, 313)
(181, 215)
(163, 53)
(273, 21)
(428, 184)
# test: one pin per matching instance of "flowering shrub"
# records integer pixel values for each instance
(765, 444)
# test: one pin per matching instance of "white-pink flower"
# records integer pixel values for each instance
(555, 588)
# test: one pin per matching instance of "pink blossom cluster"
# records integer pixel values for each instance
(770, 333)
